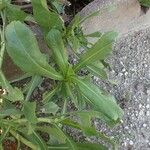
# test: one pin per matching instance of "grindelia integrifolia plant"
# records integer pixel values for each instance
(26, 122)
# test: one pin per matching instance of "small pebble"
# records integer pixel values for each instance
(140, 105)
(148, 113)
(131, 142)
(147, 106)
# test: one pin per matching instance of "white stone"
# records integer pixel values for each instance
(147, 106)
(144, 125)
(131, 142)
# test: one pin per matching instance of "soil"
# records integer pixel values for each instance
(76, 6)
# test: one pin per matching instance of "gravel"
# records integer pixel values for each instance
(131, 69)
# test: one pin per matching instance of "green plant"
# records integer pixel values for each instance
(25, 123)
(145, 3)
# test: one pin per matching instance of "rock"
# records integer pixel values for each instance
(114, 15)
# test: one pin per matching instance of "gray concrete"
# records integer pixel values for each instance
(119, 15)
(130, 69)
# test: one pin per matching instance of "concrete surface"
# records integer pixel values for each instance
(131, 69)
(114, 15)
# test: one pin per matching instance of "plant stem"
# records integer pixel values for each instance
(2, 33)
(109, 140)
(46, 120)
(23, 140)
(64, 107)
(4, 135)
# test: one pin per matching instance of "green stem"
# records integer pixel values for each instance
(109, 140)
(1, 147)
(2, 33)
(64, 107)
(45, 120)
(23, 140)
(4, 135)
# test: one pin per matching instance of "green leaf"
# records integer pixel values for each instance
(75, 43)
(73, 25)
(8, 112)
(50, 108)
(80, 146)
(145, 3)
(102, 103)
(35, 81)
(24, 51)
(91, 146)
(13, 94)
(45, 18)
(89, 16)
(29, 109)
(70, 93)
(47, 96)
(23, 140)
(15, 13)
(36, 139)
(72, 145)
(94, 35)
(101, 73)
(58, 5)
(71, 123)
(2, 137)
(99, 51)
(54, 132)
(55, 43)
(2, 4)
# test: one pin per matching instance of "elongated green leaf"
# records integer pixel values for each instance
(2, 4)
(8, 112)
(105, 104)
(74, 42)
(37, 140)
(99, 51)
(29, 111)
(36, 80)
(72, 145)
(101, 73)
(13, 94)
(90, 16)
(70, 93)
(55, 42)
(45, 18)
(80, 146)
(54, 132)
(2, 137)
(48, 95)
(91, 146)
(80, 99)
(24, 51)
(94, 35)
(15, 13)
(25, 141)
(71, 123)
